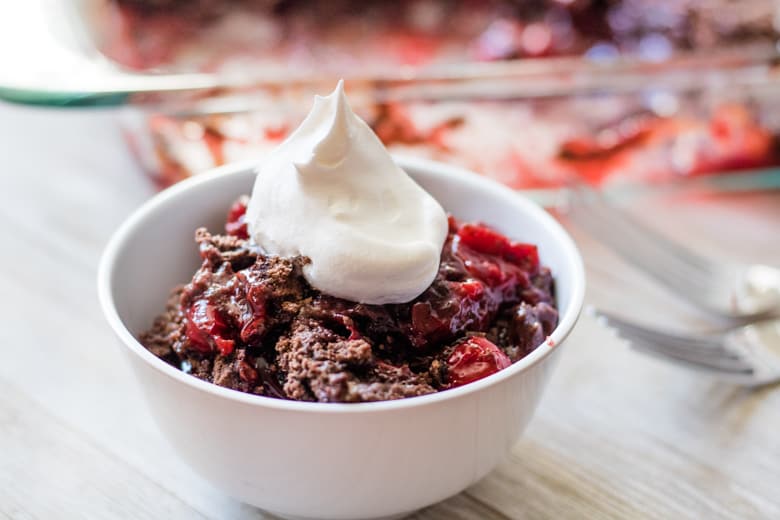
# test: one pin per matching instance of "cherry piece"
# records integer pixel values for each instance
(251, 297)
(523, 255)
(484, 240)
(236, 221)
(225, 346)
(474, 358)
(205, 327)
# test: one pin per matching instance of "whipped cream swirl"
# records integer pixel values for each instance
(331, 192)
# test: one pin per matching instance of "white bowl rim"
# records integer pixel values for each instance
(568, 317)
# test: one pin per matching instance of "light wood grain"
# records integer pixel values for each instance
(618, 435)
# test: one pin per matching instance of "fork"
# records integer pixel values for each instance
(748, 355)
(730, 290)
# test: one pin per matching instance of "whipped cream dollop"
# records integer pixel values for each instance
(331, 192)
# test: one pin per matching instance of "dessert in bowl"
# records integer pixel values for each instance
(437, 428)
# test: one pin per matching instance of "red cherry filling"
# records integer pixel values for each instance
(250, 297)
(474, 358)
(480, 271)
(481, 275)
(236, 219)
(205, 327)
(484, 240)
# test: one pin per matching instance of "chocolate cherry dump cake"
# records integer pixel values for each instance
(342, 280)
(251, 322)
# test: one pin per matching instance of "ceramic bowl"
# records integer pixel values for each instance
(327, 461)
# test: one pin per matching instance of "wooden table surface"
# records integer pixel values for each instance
(617, 435)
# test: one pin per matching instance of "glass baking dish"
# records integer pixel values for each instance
(509, 94)
(655, 135)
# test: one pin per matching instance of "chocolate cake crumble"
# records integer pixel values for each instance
(251, 322)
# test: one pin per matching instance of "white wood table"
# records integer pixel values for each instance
(618, 435)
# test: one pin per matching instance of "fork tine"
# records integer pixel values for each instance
(697, 343)
(714, 363)
(662, 259)
(705, 352)
(646, 255)
(597, 199)
(592, 210)
(741, 376)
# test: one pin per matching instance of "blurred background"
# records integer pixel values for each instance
(605, 91)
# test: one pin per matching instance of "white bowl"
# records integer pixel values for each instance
(314, 460)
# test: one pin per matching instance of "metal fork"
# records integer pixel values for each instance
(747, 355)
(727, 289)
